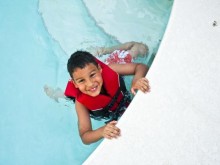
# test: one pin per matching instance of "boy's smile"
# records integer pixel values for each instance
(88, 79)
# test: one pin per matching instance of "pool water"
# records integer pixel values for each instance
(36, 39)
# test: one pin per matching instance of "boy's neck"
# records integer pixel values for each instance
(103, 91)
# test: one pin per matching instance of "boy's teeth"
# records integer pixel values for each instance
(93, 89)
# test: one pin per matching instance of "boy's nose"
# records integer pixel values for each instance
(89, 83)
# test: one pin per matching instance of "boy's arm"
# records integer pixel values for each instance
(85, 128)
(139, 71)
(84, 124)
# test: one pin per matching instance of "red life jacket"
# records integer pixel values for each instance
(112, 85)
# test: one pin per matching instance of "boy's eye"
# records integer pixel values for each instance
(92, 75)
(80, 81)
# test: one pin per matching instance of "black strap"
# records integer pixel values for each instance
(106, 112)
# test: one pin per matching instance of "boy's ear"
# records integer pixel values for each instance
(76, 86)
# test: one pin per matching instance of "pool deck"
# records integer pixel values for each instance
(178, 121)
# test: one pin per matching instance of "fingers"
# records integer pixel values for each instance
(145, 87)
(111, 131)
(133, 91)
(141, 84)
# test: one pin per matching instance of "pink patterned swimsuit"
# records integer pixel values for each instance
(119, 57)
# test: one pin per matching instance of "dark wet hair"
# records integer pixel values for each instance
(80, 59)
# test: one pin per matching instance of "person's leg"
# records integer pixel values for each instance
(134, 48)
(99, 51)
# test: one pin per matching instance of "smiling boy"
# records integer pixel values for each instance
(99, 92)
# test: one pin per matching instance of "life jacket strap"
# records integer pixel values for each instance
(115, 115)
(106, 112)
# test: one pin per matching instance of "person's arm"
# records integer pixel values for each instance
(139, 71)
(85, 128)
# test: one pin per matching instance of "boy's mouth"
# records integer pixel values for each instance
(93, 89)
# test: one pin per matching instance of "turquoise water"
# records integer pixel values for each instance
(33, 128)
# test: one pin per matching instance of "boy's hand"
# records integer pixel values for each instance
(111, 131)
(141, 84)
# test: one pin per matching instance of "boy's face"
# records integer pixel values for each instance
(88, 80)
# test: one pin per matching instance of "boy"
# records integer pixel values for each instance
(99, 92)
